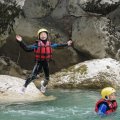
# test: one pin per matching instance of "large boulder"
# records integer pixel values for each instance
(10, 91)
(63, 58)
(59, 17)
(79, 8)
(8, 67)
(115, 18)
(12, 50)
(93, 74)
(39, 8)
(99, 6)
(95, 36)
(74, 8)
(60, 10)
(26, 28)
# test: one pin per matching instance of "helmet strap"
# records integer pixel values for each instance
(106, 98)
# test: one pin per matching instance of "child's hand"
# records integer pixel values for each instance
(18, 38)
(69, 42)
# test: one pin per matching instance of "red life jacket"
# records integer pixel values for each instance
(44, 51)
(112, 106)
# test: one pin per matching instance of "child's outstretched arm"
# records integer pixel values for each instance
(55, 45)
(27, 48)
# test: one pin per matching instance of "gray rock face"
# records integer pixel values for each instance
(99, 6)
(61, 10)
(2, 39)
(39, 8)
(9, 10)
(10, 91)
(115, 18)
(20, 2)
(26, 28)
(92, 34)
(95, 36)
(74, 8)
(8, 67)
(64, 58)
(92, 74)
(17, 54)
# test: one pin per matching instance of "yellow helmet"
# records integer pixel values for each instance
(107, 91)
(42, 30)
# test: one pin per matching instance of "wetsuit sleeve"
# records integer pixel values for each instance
(102, 109)
(26, 47)
(55, 45)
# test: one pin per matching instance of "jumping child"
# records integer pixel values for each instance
(43, 53)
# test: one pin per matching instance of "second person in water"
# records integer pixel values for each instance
(43, 53)
(107, 104)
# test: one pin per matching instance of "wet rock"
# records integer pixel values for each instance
(10, 91)
(93, 74)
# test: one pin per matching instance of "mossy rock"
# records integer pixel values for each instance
(82, 69)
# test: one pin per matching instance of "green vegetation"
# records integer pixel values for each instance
(82, 69)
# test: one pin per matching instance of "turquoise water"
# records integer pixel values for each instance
(69, 105)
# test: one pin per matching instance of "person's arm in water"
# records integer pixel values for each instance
(55, 45)
(102, 110)
(26, 47)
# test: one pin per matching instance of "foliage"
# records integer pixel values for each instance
(9, 10)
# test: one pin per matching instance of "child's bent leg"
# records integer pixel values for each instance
(29, 79)
(33, 75)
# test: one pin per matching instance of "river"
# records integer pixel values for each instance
(69, 105)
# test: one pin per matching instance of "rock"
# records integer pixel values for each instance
(63, 18)
(20, 2)
(3, 39)
(115, 18)
(61, 10)
(19, 56)
(10, 91)
(97, 40)
(9, 10)
(39, 8)
(26, 28)
(93, 74)
(74, 8)
(99, 6)
(65, 13)
(8, 67)
(95, 36)
(63, 58)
